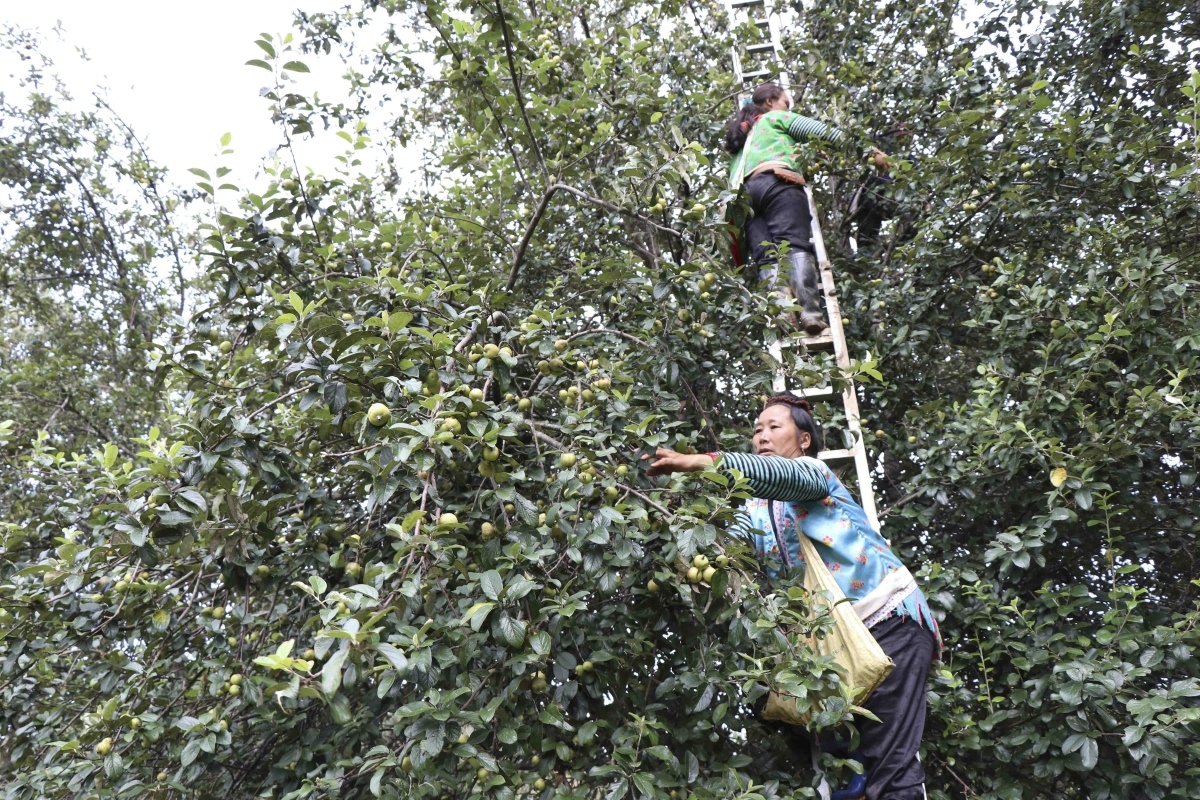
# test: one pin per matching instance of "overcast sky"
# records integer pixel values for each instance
(177, 74)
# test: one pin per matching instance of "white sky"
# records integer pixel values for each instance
(176, 72)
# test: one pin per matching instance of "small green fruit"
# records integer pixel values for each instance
(379, 415)
(236, 679)
(476, 395)
(104, 746)
(539, 785)
(567, 460)
(447, 519)
(652, 586)
(700, 561)
(488, 530)
(491, 454)
(708, 574)
(226, 346)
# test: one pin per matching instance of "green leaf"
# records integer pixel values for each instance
(190, 751)
(331, 673)
(492, 584)
(513, 631)
(395, 658)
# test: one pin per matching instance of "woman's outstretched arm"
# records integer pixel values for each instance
(770, 477)
(775, 478)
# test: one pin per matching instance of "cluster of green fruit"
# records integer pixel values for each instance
(703, 571)
(489, 351)
(993, 266)
(234, 685)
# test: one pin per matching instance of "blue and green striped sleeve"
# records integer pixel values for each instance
(802, 128)
(776, 478)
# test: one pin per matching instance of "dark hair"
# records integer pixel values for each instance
(802, 417)
(737, 128)
(765, 93)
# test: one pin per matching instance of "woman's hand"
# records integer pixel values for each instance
(667, 461)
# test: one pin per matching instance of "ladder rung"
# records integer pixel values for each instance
(816, 392)
(736, 4)
(837, 458)
(764, 47)
(758, 73)
(818, 344)
(762, 23)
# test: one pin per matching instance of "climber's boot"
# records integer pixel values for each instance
(807, 289)
(768, 276)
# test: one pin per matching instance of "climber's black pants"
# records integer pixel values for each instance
(889, 748)
(781, 214)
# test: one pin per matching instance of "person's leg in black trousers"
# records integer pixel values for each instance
(784, 208)
(890, 747)
(758, 237)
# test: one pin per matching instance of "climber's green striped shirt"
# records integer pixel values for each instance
(791, 480)
(773, 139)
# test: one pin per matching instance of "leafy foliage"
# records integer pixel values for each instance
(88, 263)
(395, 542)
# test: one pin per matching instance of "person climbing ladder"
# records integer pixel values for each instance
(762, 137)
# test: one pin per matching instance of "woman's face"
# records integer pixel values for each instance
(776, 434)
(780, 103)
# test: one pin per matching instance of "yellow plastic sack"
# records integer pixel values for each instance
(860, 660)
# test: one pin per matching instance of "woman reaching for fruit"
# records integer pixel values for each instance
(796, 494)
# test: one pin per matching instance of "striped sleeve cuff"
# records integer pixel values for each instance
(776, 478)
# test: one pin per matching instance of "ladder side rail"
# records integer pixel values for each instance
(841, 351)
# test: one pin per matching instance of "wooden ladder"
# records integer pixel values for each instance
(765, 58)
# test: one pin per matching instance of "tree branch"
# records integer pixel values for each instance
(539, 212)
(512, 70)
